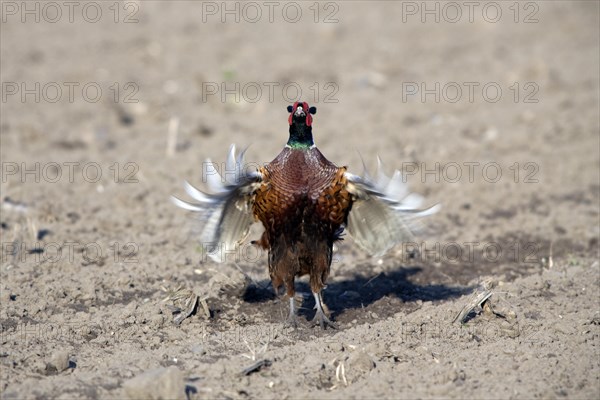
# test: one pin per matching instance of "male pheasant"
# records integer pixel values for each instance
(304, 202)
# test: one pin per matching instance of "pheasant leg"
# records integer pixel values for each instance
(320, 316)
(291, 319)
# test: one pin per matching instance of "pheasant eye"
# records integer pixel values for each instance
(290, 108)
(312, 110)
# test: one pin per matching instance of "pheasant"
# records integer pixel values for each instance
(304, 203)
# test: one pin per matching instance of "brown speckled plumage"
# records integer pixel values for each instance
(302, 203)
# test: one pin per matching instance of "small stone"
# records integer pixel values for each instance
(161, 383)
(359, 364)
(377, 349)
(59, 361)
(336, 346)
(198, 349)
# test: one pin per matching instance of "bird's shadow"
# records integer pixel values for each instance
(359, 291)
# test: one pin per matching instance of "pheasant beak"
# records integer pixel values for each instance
(300, 112)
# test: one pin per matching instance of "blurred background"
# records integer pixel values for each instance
(453, 94)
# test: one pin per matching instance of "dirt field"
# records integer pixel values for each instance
(492, 111)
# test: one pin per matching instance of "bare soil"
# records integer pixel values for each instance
(92, 246)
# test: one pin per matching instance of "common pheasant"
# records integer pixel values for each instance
(304, 202)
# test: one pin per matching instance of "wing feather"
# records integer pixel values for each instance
(383, 212)
(226, 212)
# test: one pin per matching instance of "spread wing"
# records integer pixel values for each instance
(383, 212)
(226, 211)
